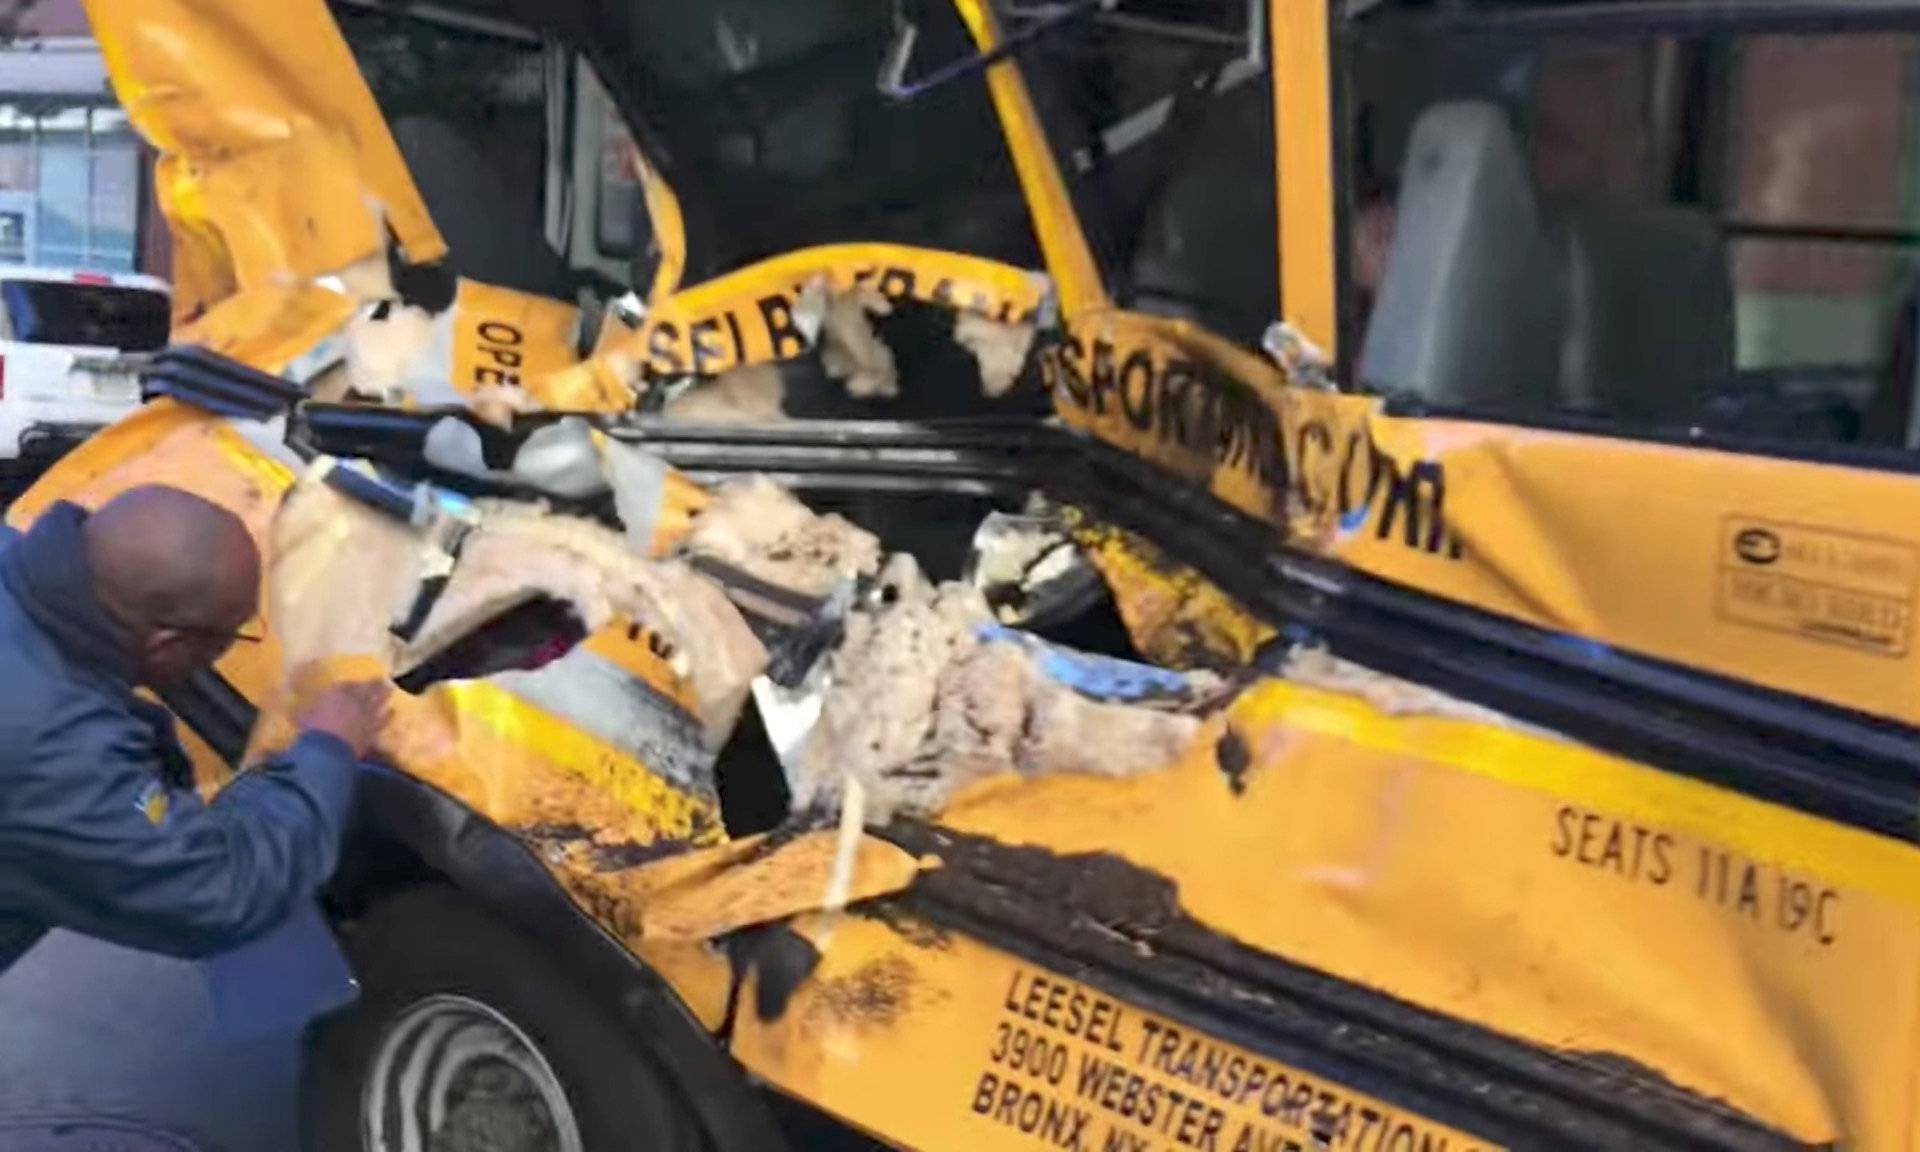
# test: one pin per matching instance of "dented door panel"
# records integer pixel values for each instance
(1747, 961)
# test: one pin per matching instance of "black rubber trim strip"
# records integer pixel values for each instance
(1878, 458)
(48, 439)
(1831, 762)
(793, 606)
(217, 713)
(1828, 761)
(1110, 924)
(1638, 18)
(393, 435)
(955, 458)
(1828, 233)
(1513, 1092)
(491, 865)
(1009, 488)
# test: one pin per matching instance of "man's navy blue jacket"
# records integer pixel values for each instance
(92, 837)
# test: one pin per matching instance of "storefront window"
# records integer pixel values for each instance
(69, 185)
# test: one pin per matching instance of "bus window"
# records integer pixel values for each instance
(610, 231)
(466, 101)
(522, 158)
(775, 137)
(1702, 232)
(1162, 117)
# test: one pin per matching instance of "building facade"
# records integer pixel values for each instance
(73, 175)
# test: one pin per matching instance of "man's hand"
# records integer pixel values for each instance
(351, 712)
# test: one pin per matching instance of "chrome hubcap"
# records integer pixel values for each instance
(454, 1075)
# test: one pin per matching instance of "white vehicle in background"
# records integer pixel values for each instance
(71, 346)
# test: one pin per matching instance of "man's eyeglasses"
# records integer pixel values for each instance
(224, 636)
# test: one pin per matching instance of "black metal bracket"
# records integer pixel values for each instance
(220, 384)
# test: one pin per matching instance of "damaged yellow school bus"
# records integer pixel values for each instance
(1447, 686)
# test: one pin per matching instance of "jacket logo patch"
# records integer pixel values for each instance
(154, 802)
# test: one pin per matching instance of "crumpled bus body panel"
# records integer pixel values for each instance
(1333, 920)
(275, 165)
(1796, 576)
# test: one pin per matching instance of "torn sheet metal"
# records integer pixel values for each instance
(275, 165)
(270, 328)
(760, 314)
(791, 571)
(1461, 866)
(705, 894)
(1176, 616)
(1467, 868)
(508, 760)
(609, 748)
(515, 554)
(1000, 349)
(1634, 544)
(493, 349)
(684, 913)
(1543, 891)
(756, 526)
(1584, 904)
(1030, 569)
(840, 324)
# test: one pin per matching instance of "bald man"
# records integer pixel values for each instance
(99, 831)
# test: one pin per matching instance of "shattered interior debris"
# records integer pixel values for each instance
(758, 527)
(854, 354)
(1001, 349)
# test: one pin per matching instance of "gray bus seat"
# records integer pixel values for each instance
(1470, 311)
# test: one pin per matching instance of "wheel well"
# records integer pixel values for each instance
(372, 867)
(407, 833)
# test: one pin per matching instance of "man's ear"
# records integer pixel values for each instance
(163, 646)
(159, 639)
